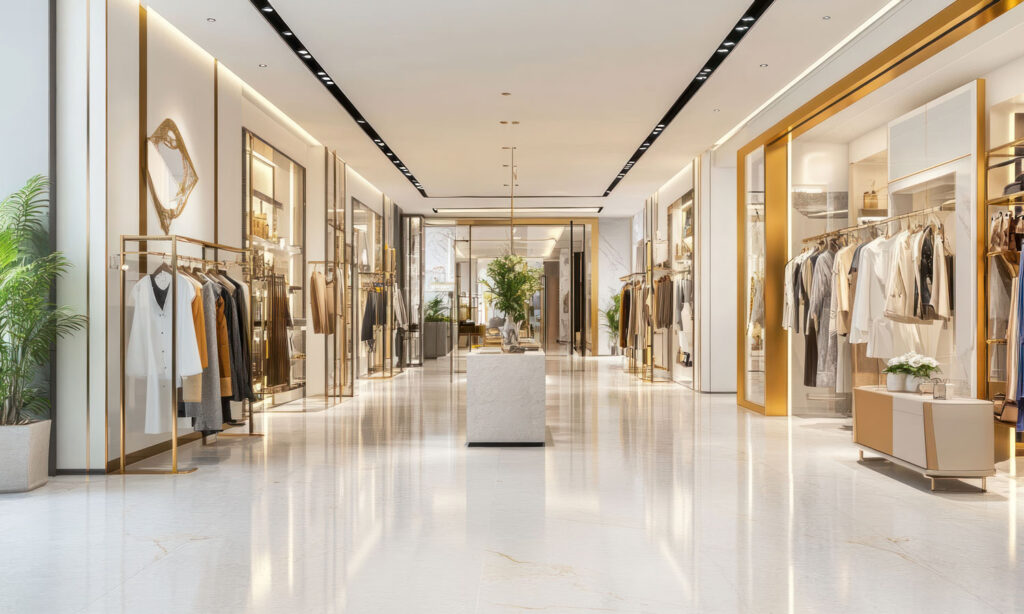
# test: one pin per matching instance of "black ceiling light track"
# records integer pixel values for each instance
(295, 44)
(727, 46)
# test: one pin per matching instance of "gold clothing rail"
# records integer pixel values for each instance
(888, 220)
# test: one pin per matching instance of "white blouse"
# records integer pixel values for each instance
(884, 337)
(149, 345)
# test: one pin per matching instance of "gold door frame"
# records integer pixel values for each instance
(938, 33)
(595, 236)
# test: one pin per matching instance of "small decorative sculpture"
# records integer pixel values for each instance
(170, 174)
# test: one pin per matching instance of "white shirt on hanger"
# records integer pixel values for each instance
(148, 354)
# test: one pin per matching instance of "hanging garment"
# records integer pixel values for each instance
(278, 350)
(1012, 335)
(209, 414)
(398, 306)
(244, 368)
(624, 306)
(332, 305)
(192, 385)
(941, 303)
(318, 302)
(149, 351)
(884, 338)
(820, 310)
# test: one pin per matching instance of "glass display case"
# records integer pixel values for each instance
(274, 224)
(413, 287)
(753, 275)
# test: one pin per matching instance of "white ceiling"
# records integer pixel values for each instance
(589, 79)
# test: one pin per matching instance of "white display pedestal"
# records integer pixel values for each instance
(505, 399)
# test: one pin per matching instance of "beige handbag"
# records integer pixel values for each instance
(871, 198)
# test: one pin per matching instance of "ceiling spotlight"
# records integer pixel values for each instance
(263, 65)
(390, 154)
(329, 82)
(747, 19)
(706, 70)
(506, 93)
(303, 52)
(321, 73)
(764, 66)
(729, 43)
(827, 17)
(268, 9)
(742, 28)
(723, 50)
(363, 121)
(286, 33)
(211, 19)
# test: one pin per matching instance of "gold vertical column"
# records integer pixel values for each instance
(776, 235)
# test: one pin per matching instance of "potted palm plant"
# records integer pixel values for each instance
(30, 325)
(511, 283)
(611, 322)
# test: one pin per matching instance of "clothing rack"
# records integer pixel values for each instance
(142, 241)
(882, 222)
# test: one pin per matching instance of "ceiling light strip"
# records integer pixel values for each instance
(504, 211)
(287, 35)
(724, 49)
(839, 46)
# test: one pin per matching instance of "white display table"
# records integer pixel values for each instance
(950, 438)
(505, 398)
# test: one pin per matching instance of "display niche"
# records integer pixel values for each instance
(274, 230)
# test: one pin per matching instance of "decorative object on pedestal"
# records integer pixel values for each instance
(913, 367)
(511, 283)
(939, 389)
(29, 328)
(170, 173)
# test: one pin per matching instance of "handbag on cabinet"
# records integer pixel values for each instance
(260, 228)
(1006, 410)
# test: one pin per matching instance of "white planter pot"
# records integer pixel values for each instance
(24, 456)
(913, 382)
(895, 382)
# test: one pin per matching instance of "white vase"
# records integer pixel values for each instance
(895, 382)
(913, 382)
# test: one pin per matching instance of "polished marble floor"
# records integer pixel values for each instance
(648, 498)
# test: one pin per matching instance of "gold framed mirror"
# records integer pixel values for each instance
(170, 173)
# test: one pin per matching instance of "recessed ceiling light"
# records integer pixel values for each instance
(363, 121)
(286, 33)
(268, 9)
(390, 154)
(321, 73)
(506, 93)
(764, 66)
(742, 28)
(729, 43)
(263, 65)
(748, 19)
(211, 19)
(706, 70)
(827, 17)
(723, 50)
(329, 82)
(303, 52)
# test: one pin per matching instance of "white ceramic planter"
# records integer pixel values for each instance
(895, 382)
(914, 382)
(24, 456)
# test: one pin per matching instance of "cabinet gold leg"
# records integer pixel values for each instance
(861, 453)
(933, 484)
(984, 484)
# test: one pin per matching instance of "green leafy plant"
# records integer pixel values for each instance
(30, 323)
(611, 314)
(511, 283)
(436, 310)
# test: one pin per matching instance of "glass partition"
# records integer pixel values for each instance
(753, 265)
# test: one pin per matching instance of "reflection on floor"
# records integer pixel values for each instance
(649, 498)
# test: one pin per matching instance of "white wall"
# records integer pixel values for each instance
(612, 263)
(109, 175)
(717, 296)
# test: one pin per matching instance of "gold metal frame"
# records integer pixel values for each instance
(121, 466)
(595, 236)
(938, 33)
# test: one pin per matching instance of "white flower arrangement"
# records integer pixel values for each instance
(914, 364)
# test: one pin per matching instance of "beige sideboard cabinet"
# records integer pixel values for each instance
(940, 438)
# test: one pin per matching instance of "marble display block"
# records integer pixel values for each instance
(505, 398)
